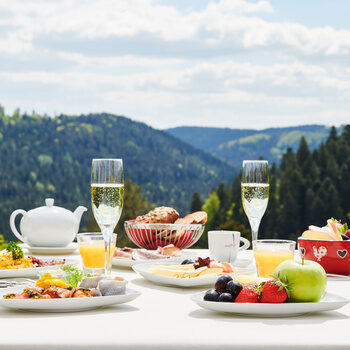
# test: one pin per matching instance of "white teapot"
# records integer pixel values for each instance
(47, 226)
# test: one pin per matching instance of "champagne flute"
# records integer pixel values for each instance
(107, 194)
(255, 192)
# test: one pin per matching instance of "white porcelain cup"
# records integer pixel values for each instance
(225, 245)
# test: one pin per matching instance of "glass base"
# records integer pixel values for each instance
(95, 271)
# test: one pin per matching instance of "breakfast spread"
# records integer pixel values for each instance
(293, 281)
(13, 258)
(333, 231)
(166, 252)
(192, 269)
(53, 287)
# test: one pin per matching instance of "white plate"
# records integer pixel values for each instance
(142, 269)
(69, 249)
(66, 304)
(33, 271)
(329, 302)
(129, 263)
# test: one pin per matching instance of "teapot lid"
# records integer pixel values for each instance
(49, 202)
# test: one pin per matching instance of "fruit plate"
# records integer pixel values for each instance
(129, 263)
(64, 305)
(329, 302)
(33, 271)
(142, 269)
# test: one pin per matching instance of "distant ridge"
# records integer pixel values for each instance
(234, 145)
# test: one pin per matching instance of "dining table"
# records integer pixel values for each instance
(165, 318)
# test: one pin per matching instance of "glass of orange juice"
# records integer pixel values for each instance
(92, 251)
(269, 253)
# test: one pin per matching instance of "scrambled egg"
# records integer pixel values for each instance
(7, 262)
(47, 280)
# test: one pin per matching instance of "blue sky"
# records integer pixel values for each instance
(224, 63)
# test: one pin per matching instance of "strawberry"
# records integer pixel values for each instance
(274, 291)
(248, 295)
(348, 233)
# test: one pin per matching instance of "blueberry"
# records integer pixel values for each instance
(211, 295)
(234, 288)
(225, 298)
(187, 262)
(220, 285)
(345, 237)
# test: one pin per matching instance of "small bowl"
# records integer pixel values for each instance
(334, 256)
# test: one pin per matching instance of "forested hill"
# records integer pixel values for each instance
(44, 157)
(234, 145)
(307, 188)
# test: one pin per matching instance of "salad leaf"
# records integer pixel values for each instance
(16, 251)
(343, 229)
(73, 275)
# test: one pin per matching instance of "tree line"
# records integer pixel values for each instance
(306, 188)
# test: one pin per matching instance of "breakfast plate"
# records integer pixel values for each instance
(64, 304)
(69, 249)
(33, 271)
(329, 302)
(130, 263)
(143, 270)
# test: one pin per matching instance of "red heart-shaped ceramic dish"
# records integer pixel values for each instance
(334, 256)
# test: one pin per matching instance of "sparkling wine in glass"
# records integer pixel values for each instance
(107, 194)
(255, 192)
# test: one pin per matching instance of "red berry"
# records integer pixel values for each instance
(348, 233)
(273, 292)
(248, 295)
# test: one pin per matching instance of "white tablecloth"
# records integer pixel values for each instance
(166, 318)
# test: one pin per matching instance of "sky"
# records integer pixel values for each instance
(225, 63)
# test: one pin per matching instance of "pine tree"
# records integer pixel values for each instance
(303, 153)
(196, 202)
(333, 134)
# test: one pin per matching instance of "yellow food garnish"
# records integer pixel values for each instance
(47, 280)
(7, 262)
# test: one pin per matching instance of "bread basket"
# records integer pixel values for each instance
(152, 236)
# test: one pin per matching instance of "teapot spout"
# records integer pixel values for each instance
(79, 212)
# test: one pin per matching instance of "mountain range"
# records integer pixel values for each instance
(234, 145)
(43, 157)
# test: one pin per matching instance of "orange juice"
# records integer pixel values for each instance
(267, 260)
(93, 254)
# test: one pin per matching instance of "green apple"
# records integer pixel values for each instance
(307, 279)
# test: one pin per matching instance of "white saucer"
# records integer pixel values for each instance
(69, 249)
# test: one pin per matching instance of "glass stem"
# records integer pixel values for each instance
(254, 224)
(107, 234)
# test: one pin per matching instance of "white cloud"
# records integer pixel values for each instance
(182, 67)
(227, 23)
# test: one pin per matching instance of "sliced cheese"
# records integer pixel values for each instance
(212, 271)
(169, 272)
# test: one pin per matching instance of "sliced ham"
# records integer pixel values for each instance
(143, 254)
(123, 253)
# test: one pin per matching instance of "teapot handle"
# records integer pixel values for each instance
(13, 225)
